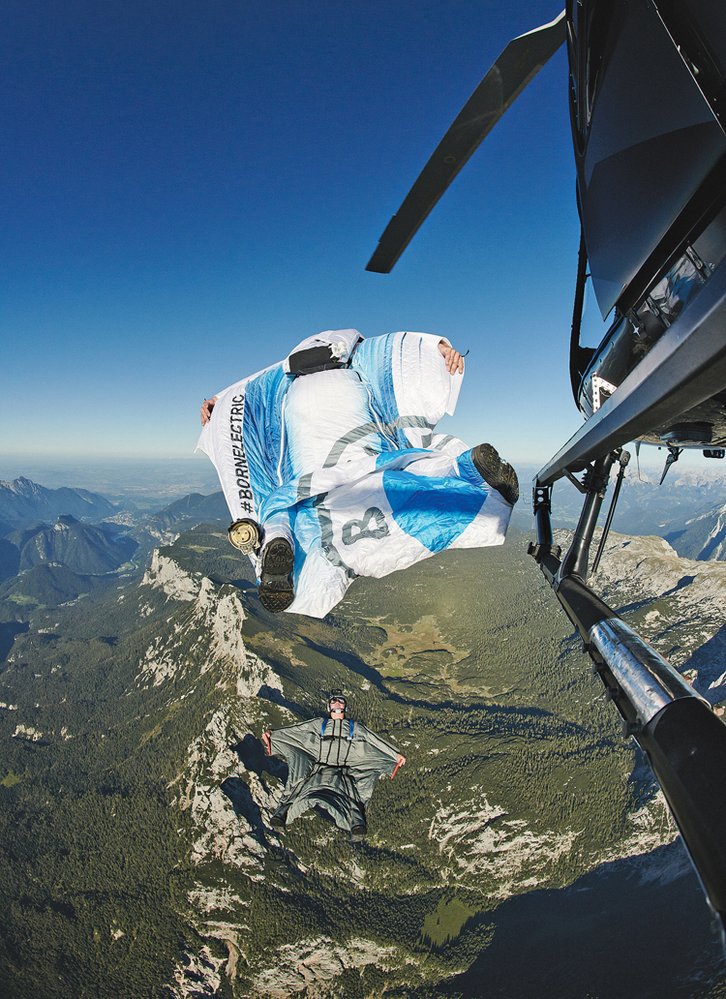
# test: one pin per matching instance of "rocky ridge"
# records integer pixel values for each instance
(676, 604)
(704, 536)
(82, 548)
(228, 794)
(229, 815)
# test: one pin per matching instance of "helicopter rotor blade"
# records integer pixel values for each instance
(517, 65)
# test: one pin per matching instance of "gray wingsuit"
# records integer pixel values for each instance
(333, 764)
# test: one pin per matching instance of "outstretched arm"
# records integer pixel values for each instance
(383, 747)
(296, 745)
(400, 760)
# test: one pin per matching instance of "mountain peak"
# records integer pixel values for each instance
(68, 519)
(22, 486)
(165, 574)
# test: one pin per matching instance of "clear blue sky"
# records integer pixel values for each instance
(191, 187)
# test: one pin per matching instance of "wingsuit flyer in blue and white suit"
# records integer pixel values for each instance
(332, 452)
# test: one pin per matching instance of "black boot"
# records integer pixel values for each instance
(276, 588)
(358, 833)
(495, 472)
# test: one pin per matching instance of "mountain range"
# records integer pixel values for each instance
(56, 543)
(24, 503)
(644, 506)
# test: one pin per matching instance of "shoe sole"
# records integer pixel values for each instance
(497, 473)
(276, 588)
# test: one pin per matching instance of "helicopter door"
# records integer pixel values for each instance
(638, 171)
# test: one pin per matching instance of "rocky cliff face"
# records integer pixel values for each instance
(482, 826)
(166, 575)
(225, 823)
(703, 537)
(677, 604)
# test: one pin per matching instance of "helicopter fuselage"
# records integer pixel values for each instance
(647, 87)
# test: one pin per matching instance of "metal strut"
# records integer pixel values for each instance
(684, 740)
(624, 458)
(595, 482)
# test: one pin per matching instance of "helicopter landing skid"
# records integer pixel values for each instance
(684, 740)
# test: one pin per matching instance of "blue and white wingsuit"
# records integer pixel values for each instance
(346, 465)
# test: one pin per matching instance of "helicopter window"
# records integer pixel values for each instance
(674, 291)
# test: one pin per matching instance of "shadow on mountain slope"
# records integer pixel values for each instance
(8, 631)
(552, 942)
(708, 659)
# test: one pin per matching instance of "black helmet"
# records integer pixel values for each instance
(335, 696)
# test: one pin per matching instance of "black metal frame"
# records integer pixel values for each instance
(683, 739)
